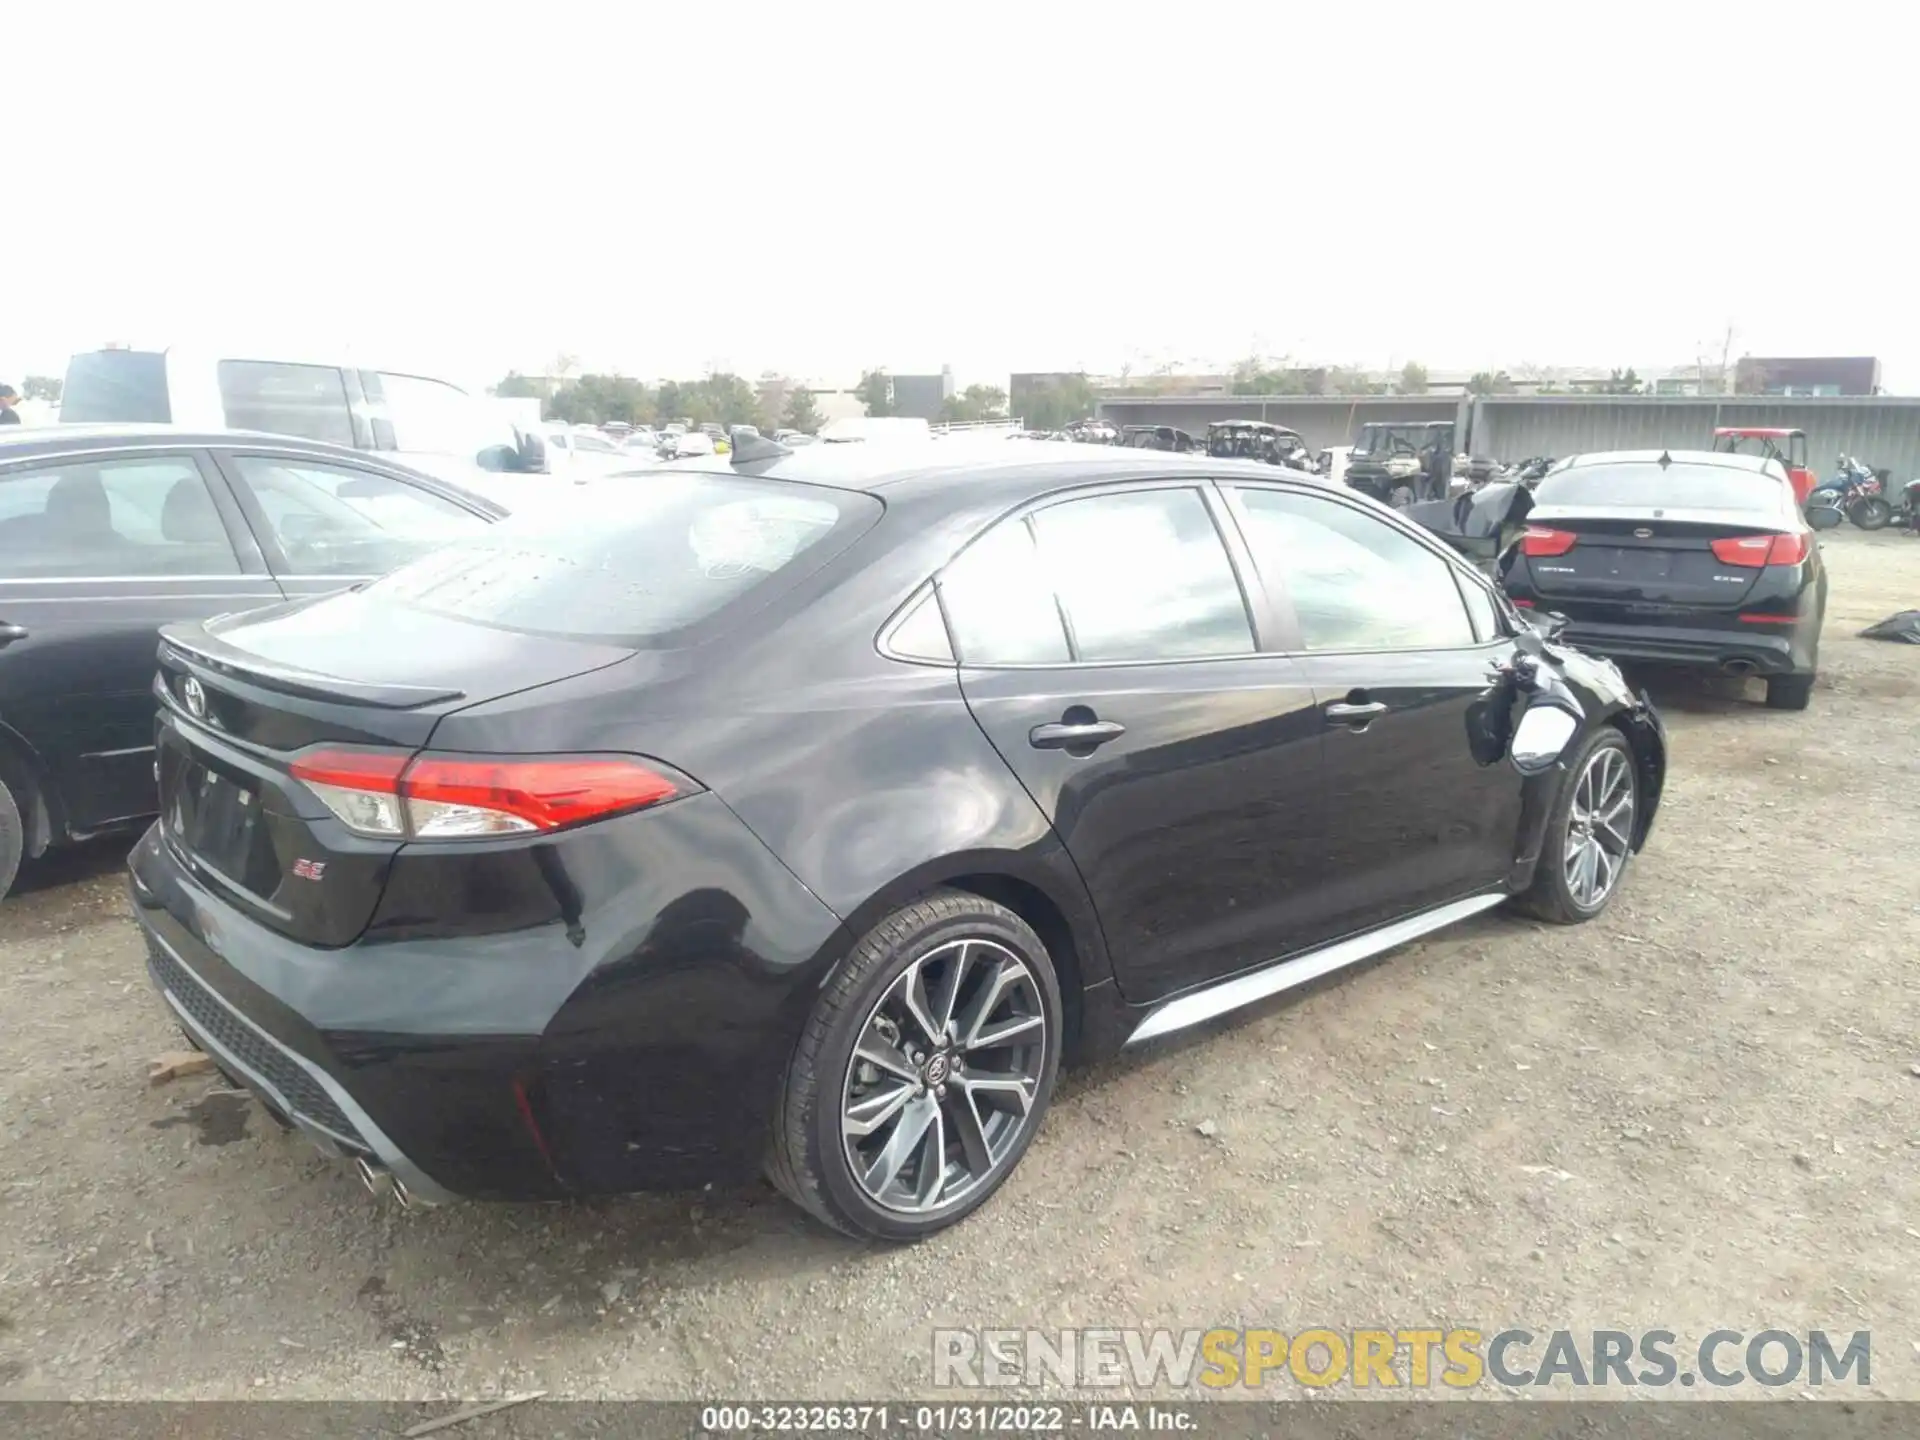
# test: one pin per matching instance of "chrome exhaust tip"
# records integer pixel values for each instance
(379, 1182)
(1737, 666)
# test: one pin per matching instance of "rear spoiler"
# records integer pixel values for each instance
(1480, 524)
(190, 647)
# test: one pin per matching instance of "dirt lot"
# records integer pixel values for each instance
(1696, 1113)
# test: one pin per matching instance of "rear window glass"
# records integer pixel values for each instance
(116, 387)
(1677, 486)
(636, 564)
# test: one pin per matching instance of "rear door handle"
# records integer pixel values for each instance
(1074, 737)
(11, 633)
(1356, 717)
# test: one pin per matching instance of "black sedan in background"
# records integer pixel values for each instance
(806, 813)
(1685, 557)
(109, 532)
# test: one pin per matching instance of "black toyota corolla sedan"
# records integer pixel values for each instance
(805, 812)
(1683, 557)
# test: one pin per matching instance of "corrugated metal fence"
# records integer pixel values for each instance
(1879, 430)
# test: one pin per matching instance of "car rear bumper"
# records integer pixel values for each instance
(635, 1042)
(296, 1088)
(1752, 649)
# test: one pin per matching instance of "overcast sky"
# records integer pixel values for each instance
(818, 188)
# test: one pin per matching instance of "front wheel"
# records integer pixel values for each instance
(923, 1072)
(13, 838)
(1872, 513)
(1589, 833)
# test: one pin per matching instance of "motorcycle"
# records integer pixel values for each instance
(1855, 493)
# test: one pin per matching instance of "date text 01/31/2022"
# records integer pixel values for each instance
(944, 1419)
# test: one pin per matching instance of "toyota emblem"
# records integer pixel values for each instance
(195, 697)
(1643, 533)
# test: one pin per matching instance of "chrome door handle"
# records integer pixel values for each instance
(1356, 717)
(1074, 737)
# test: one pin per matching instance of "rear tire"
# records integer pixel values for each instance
(1872, 513)
(1789, 692)
(1587, 816)
(837, 1109)
(13, 838)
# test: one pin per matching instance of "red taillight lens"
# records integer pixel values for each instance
(1753, 551)
(450, 797)
(445, 797)
(1540, 540)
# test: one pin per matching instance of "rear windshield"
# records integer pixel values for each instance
(1677, 487)
(116, 386)
(632, 562)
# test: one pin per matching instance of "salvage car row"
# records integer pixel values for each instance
(807, 810)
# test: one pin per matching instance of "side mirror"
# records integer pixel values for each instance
(1542, 737)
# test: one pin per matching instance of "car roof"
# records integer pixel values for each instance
(1005, 471)
(24, 440)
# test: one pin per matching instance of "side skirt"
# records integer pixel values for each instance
(1245, 989)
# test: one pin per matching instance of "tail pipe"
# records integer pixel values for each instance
(1738, 665)
(381, 1182)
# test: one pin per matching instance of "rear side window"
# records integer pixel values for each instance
(1648, 486)
(116, 387)
(635, 565)
(305, 400)
(332, 520)
(112, 519)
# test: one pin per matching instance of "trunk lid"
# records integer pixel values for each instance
(1644, 564)
(242, 695)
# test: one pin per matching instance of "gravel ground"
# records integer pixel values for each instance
(1695, 1113)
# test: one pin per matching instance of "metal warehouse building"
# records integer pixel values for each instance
(1881, 430)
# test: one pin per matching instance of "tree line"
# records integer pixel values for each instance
(775, 403)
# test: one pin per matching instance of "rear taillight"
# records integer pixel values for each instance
(1541, 540)
(452, 797)
(1753, 551)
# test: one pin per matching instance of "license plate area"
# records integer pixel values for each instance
(215, 818)
(1648, 564)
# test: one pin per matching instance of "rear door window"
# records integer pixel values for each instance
(1143, 575)
(305, 400)
(116, 387)
(636, 566)
(339, 520)
(1357, 582)
(112, 519)
(1000, 606)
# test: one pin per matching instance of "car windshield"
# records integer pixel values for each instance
(1648, 486)
(631, 566)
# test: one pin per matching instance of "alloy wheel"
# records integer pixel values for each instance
(1599, 827)
(942, 1081)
